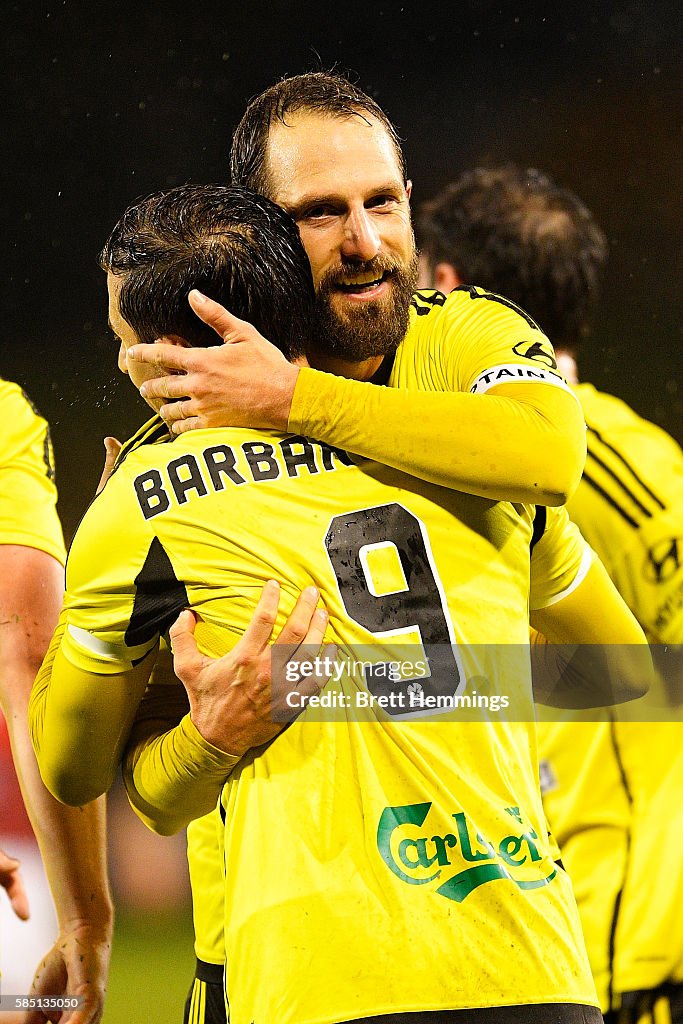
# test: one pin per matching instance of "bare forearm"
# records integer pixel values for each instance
(71, 839)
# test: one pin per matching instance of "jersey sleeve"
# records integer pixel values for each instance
(560, 558)
(630, 507)
(592, 652)
(493, 419)
(172, 776)
(28, 496)
(649, 575)
(105, 633)
(485, 341)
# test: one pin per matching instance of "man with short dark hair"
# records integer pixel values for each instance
(329, 871)
(611, 789)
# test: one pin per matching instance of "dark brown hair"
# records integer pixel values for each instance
(319, 91)
(236, 246)
(517, 233)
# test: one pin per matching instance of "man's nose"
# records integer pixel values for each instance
(361, 237)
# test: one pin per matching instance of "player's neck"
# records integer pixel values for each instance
(362, 370)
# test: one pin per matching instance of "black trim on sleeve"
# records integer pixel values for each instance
(540, 522)
(47, 440)
(47, 454)
(213, 973)
(478, 293)
(617, 901)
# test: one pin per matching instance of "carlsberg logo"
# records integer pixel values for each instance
(405, 854)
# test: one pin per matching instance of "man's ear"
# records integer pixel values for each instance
(446, 277)
(409, 187)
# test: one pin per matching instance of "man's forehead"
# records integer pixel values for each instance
(312, 148)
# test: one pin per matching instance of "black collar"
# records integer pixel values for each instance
(383, 371)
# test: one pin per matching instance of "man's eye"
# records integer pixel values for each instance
(379, 201)
(317, 212)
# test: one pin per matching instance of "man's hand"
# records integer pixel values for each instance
(77, 965)
(13, 884)
(247, 382)
(234, 703)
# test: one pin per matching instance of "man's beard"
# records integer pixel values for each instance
(365, 329)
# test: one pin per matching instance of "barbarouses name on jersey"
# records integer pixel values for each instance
(222, 465)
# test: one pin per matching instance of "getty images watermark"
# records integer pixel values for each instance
(383, 693)
(499, 682)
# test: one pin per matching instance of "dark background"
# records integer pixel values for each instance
(104, 103)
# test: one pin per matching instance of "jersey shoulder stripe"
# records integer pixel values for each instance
(423, 302)
(48, 456)
(614, 477)
(152, 431)
(476, 292)
(595, 486)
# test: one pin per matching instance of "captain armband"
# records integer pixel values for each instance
(507, 373)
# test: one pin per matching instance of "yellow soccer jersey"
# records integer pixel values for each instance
(612, 789)
(629, 506)
(208, 887)
(28, 497)
(445, 349)
(205, 861)
(525, 442)
(355, 844)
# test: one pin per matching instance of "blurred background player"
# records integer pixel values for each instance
(71, 840)
(612, 790)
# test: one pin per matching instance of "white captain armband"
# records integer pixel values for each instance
(507, 373)
(89, 652)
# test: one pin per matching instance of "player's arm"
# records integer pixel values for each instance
(524, 443)
(232, 704)
(85, 697)
(71, 841)
(80, 721)
(591, 651)
(517, 442)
